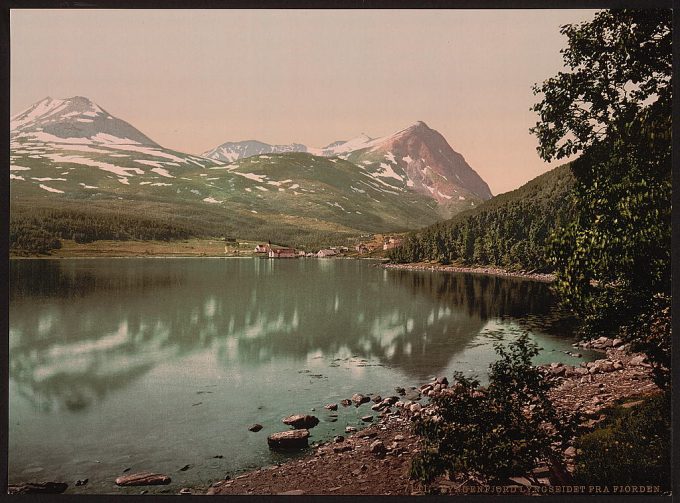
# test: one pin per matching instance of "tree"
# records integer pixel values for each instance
(494, 433)
(613, 107)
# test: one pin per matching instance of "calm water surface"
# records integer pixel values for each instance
(155, 364)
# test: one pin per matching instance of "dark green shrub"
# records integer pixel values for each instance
(632, 448)
(493, 433)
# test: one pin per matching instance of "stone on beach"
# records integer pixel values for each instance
(143, 479)
(378, 448)
(301, 421)
(291, 439)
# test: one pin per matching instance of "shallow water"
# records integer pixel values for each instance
(155, 364)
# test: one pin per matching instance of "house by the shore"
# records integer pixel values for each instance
(392, 243)
(282, 253)
(326, 253)
(361, 248)
(262, 248)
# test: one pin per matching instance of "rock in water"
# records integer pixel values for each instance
(36, 488)
(291, 439)
(301, 421)
(358, 399)
(331, 406)
(143, 479)
(255, 427)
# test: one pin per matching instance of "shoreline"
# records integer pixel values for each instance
(377, 459)
(492, 271)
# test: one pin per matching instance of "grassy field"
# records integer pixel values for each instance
(180, 248)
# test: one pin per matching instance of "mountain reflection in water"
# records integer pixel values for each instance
(80, 329)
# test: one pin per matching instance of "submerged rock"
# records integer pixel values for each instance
(143, 479)
(255, 427)
(291, 439)
(301, 421)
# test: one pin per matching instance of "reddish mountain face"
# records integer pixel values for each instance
(433, 168)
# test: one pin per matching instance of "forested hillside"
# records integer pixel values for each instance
(510, 230)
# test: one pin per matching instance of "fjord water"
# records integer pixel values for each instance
(156, 364)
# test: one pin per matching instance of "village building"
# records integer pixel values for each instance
(282, 253)
(264, 248)
(392, 243)
(326, 253)
(361, 248)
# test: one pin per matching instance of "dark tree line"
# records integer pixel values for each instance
(510, 230)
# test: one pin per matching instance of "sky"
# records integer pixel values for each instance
(193, 79)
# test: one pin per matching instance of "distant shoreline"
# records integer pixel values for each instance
(494, 271)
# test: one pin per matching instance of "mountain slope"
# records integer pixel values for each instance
(72, 155)
(415, 159)
(421, 159)
(510, 230)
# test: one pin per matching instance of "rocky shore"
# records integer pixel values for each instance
(495, 271)
(376, 460)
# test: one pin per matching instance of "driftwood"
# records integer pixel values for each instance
(143, 479)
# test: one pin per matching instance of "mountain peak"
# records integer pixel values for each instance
(74, 117)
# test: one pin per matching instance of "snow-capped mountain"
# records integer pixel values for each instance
(232, 151)
(76, 135)
(74, 120)
(73, 150)
(58, 155)
(416, 158)
(422, 159)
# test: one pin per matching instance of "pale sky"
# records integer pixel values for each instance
(193, 79)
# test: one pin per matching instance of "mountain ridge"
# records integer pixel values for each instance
(73, 150)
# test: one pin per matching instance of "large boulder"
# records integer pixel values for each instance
(143, 479)
(291, 439)
(301, 421)
(638, 360)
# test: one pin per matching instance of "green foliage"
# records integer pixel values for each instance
(494, 433)
(30, 240)
(617, 63)
(37, 225)
(614, 107)
(509, 230)
(633, 447)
